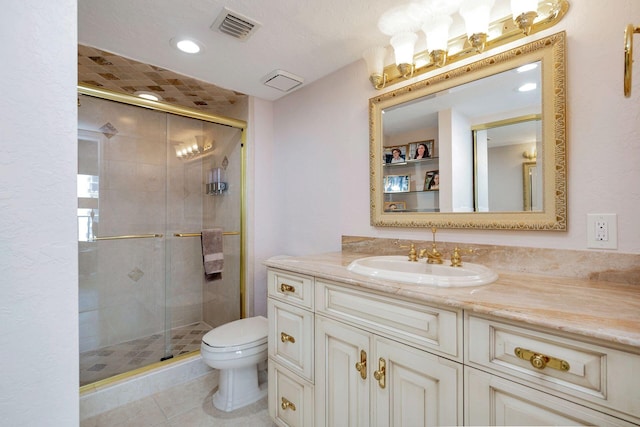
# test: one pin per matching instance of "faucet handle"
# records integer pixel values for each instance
(413, 255)
(456, 258)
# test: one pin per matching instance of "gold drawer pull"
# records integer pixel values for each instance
(379, 375)
(287, 404)
(540, 361)
(286, 337)
(286, 288)
(361, 366)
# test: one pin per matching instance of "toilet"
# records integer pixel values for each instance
(236, 349)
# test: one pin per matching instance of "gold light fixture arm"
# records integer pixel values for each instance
(628, 57)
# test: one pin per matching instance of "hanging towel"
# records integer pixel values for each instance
(212, 253)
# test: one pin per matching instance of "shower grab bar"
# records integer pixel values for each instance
(224, 233)
(130, 236)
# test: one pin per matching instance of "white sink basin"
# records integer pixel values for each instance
(400, 269)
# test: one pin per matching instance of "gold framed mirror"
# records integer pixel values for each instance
(447, 109)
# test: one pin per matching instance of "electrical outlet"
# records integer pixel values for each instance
(602, 231)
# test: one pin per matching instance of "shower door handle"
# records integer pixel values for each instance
(129, 236)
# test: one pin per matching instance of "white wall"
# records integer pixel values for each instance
(321, 140)
(38, 230)
(262, 207)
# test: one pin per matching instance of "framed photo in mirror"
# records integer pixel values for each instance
(395, 206)
(432, 180)
(421, 149)
(395, 154)
(396, 184)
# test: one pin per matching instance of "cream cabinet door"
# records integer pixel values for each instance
(413, 387)
(494, 401)
(341, 393)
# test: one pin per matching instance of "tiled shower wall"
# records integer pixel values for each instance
(145, 189)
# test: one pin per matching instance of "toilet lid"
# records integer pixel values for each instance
(238, 333)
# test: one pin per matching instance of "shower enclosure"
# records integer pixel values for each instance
(143, 199)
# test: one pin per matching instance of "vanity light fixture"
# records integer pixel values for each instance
(187, 45)
(437, 32)
(435, 19)
(476, 15)
(374, 57)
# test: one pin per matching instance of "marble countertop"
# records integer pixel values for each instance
(603, 310)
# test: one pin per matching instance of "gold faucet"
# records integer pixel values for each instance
(433, 256)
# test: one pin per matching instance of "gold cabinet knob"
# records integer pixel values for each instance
(361, 366)
(284, 337)
(287, 404)
(538, 361)
(286, 288)
(379, 375)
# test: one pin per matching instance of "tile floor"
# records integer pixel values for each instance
(108, 361)
(185, 405)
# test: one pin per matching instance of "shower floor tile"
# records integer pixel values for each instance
(96, 365)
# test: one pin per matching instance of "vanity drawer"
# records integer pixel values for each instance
(494, 401)
(563, 366)
(434, 329)
(291, 402)
(290, 287)
(291, 337)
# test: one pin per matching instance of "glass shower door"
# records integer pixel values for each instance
(195, 303)
(143, 201)
(121, 227)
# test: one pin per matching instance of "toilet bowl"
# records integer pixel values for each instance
(235, 349)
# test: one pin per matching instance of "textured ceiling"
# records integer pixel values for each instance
(309, 38)
(123, 75)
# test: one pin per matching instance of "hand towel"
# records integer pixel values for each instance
(212, 255)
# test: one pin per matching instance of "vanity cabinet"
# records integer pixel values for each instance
(357, 355)
(290, 348)
(495, 401)
(367, 374)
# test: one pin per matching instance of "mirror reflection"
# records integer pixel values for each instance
(501, 149)
(477, 128)
(479, 146)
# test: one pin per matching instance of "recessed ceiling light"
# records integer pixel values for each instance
(147, 95)
(527, 87)
(187, 45)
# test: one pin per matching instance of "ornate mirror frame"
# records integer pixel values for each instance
(551, 52)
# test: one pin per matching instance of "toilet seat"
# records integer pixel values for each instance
(237, 335)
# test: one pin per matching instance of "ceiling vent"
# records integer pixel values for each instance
(235, 25)
(282, 80)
